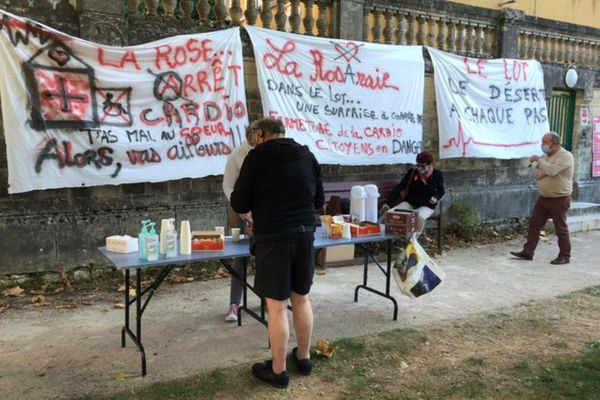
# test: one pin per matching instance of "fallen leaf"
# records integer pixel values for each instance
(58, 290)
(41, 304)
(41, 291)
(132, 293)
(14, 292)
(67, 306)
(4, 307)
(38, 299)
(121, 288)
(123, 377)
(175, 279)
(119, 305)
(324, 348)
(320, 272)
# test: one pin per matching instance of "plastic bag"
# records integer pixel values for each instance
(415, 272)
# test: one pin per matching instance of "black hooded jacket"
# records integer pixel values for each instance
(280, 182)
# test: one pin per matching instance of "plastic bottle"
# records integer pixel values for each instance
(185, 240)
(152, 244)
(171, 238)
(142, 240)
(371, 208)
(358, 198)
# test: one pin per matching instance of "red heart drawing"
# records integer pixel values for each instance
(60, 56)
(348, 50)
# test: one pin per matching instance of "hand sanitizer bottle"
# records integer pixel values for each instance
(152, 244)
(142, 240)
(171, 238)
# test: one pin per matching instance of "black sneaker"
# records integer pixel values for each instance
(264, 372)
(560, 260)
(304, 366)
(522, 255)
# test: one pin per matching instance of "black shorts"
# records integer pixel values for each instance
(284, 267)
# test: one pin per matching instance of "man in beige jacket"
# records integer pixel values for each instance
(554, 173)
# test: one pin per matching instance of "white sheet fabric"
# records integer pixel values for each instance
(351, 103)
(489, 108)
(81, 114)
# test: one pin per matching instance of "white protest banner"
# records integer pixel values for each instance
(81, 114)
(351, 103)
(489, 108)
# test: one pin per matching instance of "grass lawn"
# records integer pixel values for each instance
(539, 350)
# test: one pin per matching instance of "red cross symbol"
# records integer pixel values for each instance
(65, 98)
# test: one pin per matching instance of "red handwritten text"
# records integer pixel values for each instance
(515, 70)
(192, 52)
(480, 66)
(276, 61)
(128, 58)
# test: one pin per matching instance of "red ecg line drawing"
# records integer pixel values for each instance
(460, 141)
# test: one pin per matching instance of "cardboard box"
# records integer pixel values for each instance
(365, 229)
(337, 255)
(401, 222)
(207, 241)
(121, 244)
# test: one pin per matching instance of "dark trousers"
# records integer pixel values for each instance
(557, 209)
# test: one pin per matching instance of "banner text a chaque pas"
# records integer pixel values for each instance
(489, 108)
(351, 103)
(82, 114)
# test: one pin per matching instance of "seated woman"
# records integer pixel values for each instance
(425, 187)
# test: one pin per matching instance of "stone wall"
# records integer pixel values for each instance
(60, 229)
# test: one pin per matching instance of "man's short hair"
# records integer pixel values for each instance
(250, 129)
(556, 139)
(424, 157)
(271, 126)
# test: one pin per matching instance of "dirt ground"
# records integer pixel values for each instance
(71, 345)
(485, 356)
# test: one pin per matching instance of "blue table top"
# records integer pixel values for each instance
(232, 250)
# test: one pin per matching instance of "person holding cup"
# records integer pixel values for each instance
(280, 183)
(238, 221)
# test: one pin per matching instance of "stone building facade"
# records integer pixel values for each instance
(59, 229)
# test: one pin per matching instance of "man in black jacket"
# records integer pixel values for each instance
(425, 188)
(280, 183)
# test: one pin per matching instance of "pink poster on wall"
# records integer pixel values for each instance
(596, 146)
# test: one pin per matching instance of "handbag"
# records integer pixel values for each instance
(415, 272)
(404, 192)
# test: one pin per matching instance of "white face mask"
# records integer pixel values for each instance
(545, 148)
(422, 170)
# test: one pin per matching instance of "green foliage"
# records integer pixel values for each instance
(465, 221)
